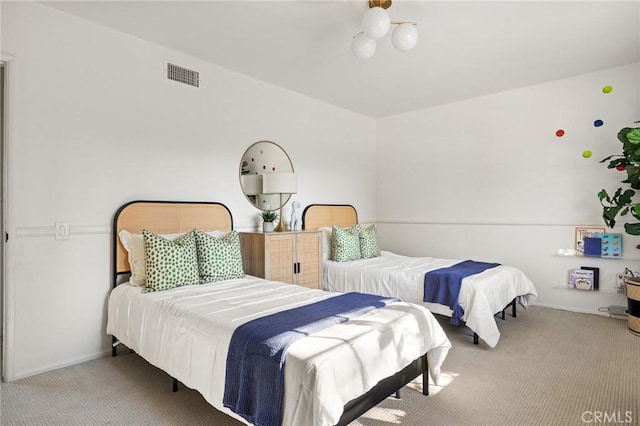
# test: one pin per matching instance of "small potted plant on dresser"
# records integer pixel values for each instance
(268, 217)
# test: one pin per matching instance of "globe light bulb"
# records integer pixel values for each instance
(405, 37)
(376, 22)
(363, 46)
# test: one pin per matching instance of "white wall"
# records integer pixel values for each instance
(488, 179)
(93, 123)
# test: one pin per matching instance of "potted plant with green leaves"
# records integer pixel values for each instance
(268, 217)
(624, 201)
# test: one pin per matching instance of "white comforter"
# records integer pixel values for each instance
(186, 332)
(481, 295)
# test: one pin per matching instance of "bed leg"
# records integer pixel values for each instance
(513, 308)
(175, 385)
(114, 344)
(398, 394)
(502, 316)
(425, 377)
(475, 338)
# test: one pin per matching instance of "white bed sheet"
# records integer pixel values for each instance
(186, 332)
(390, 274)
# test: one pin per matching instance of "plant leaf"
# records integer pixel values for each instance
(633, 136)
(625, 198)
(622, 134)
(603, 195)
(632, 228)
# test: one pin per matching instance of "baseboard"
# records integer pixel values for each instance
(570, 309)
(52, 367)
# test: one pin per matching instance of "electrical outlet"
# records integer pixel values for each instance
(62, 230)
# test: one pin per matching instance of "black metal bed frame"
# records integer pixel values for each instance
(352, 409)
(381, 391)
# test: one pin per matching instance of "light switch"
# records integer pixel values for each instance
(62, 230)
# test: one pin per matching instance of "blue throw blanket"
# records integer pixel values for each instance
(254, 379)
(443, 285)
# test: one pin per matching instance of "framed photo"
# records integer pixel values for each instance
(585, 232)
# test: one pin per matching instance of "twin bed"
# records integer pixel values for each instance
(330, 377)
(481, 296)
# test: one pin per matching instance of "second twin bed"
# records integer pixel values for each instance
(481, 295)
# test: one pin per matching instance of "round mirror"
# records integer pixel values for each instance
(260, 158)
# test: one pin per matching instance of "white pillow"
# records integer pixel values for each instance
(134, 244)
(326, 242)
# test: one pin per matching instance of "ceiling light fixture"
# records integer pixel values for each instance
(376, 23)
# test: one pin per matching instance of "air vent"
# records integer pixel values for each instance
(183, 75)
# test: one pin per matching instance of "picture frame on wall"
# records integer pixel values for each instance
(583, 232)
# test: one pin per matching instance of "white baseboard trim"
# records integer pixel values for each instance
(571, 309)
(51, 367)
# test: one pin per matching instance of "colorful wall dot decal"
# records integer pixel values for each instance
(598, 123)
(560, 133)
(607, 89)
(586, 154)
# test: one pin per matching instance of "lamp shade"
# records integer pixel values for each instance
(376, 22)
(405, 37)
(363, 46)
(251, 184)
(279, 183)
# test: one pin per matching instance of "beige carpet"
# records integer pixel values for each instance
(549, 368)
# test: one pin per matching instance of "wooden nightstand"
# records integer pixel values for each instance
(290, 257)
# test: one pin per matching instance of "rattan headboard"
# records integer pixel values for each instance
(317, 216)
(165, 217)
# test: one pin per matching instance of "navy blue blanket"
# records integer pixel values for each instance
(443, 285)
(254, 379)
